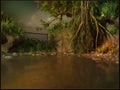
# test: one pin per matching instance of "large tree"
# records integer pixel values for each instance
(90, 28)
(88, 24)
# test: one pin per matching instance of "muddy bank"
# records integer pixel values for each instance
(100, 57)
(97, 57)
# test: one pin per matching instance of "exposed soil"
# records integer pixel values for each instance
(98, 57)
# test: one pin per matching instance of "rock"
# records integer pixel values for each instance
(79, 55)
(15, 54)
(71, 53)
(42, 53)
(5, 47)
(53, 53)
(65, 53)
(98, 55)
(33, 54)
(8, 57)
(26, 53)
(30, 53)
(37, 54)
(117, 62)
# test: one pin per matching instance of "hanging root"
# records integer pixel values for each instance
(84, 23)
(105, 30)
(96, 24)
(80, 25)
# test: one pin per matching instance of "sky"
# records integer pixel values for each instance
(26, 12)
(18, 7)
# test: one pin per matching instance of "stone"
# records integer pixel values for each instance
(117, 62)
(8, 57)
(37, 54)
(42, 53)
(53, 53)
(33, 54)
(15, 54)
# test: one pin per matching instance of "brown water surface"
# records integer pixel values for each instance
(37, 72)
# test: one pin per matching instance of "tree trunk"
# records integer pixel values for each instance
(83, 40)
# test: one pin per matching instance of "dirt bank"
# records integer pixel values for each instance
(98, 57)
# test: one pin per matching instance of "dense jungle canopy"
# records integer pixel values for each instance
(92, 22)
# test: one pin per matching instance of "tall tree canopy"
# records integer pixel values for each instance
(89, 20)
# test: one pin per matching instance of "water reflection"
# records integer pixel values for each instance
(58, 72)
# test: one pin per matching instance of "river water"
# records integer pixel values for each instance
(38, 72)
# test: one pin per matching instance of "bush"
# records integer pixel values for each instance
(109, 9)
(10, 26)
(112, 29)
(55, 28)
(33, 45)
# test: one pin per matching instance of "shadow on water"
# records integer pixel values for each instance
(58, 72)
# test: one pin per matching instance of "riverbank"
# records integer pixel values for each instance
(97, 57)
(106, 57)
(58, 72)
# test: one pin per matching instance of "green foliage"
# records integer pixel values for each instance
(95, 10)
(109, 9)
(9, 26)
(55, 28)
(33, 45)
(86, 24)
(56, 8)
(112, 29)
(76, 6)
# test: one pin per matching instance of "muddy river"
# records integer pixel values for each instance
(38, 72)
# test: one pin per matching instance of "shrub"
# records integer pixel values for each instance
(112, 29)
(33, 45)
(10, 26)
(109, 9)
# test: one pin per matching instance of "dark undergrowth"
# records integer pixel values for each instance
(33, 45)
